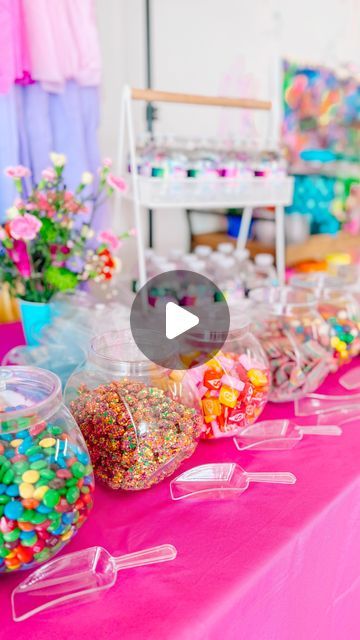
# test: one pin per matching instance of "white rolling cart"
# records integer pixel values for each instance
(200, 193)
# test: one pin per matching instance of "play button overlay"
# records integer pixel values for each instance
(179, 319)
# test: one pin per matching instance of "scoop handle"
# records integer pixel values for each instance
(163, 553)
(280, 477)
(321, 430)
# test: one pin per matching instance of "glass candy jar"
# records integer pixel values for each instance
(46, 479)
(296, 340)
(138, 419)
(338, 306)
(234, 385)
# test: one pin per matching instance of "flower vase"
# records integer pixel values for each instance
(34, 316)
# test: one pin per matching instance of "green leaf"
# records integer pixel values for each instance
(48, 230)
(60, 278)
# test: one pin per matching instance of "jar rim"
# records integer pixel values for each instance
(45, 407)
(283, 299)
(122, 339)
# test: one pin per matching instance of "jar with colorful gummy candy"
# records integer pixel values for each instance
(46, 478)
(296, 339)
(138, 418)
(234, 385)
(339, 307)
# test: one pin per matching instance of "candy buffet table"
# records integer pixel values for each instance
(281, 563)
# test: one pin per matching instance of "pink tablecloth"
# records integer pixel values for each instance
(281, 563)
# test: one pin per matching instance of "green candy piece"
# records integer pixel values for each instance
(4, 552)
(1, 538)
(51, 498)
(11, 536)
(62, 491)
(52, 527)
(43, 555)
(23, 423)
(54, 430)
(54, 515)
(1, 512)
(39, 464)
(3, 459)
(78, 470)
(34, 450)
(72, 482)
(72, 495)
(20, 467)
(29, 542)
(4, 499)
(47, 474)
(39, 518)
(27, 516)
(8, 476)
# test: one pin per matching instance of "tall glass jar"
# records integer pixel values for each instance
(139, 419)
(234, 385)
(339, 308)
(296, 340)
(46, 479)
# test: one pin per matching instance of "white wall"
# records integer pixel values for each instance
(212, 47)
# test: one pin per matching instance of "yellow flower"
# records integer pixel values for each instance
(87, 177)
(58, 159)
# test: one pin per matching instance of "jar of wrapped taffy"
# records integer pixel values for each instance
(234, 384)
(46, 479)
(295, 338)
(338, 306)
(138, 419)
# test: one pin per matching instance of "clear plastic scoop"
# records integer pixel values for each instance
(76, 576)
(221, 480)
(316, 403)
(275, 435)
(351, 379)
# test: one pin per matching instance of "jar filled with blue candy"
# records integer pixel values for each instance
(46, 478)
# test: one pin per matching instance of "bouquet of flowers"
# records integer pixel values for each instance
(47, 243)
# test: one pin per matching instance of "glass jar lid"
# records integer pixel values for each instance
(117, 351)
(28, 395)
(282, 300)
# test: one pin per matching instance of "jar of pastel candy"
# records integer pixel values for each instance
(139, 420)
(46, 479)
(234, 385)
(296, 340)
(338, 306)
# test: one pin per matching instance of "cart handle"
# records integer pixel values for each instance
(150, 95)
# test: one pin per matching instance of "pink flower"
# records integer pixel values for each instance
(17, 172)
(116, 183)
(20, 258)
(24, 227)
(3, 234)
(49, 174)
(110, 239)
(107, 162)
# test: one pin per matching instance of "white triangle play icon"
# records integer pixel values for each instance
(178, 320)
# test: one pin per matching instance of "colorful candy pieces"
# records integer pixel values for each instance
(128, 458)
(45, 494)
(233, 389)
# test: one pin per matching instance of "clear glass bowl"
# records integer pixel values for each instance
(234, 385)
(296, 340)
(46, 478)
(140, 420)
(338, 306)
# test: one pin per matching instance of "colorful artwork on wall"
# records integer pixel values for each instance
(321, 114)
